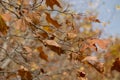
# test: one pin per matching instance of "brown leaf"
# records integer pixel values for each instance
(3, 27)
(53, 22)
(42, 54)
(116, 65)
(99, 66)
(25, 75)
(93, 19)
(51, 3)
(53, 45)
(81, 74)
(34, 18)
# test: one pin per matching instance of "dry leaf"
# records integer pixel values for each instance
(42, 54)
(6, 16)
(28, 49)
(3, 27)
(51, 3)
(53, 22)
(90, 58)
(47, 29)
(116, 65)
(34, 18)
(25, 75)
(53, 45)
(21, 24)
(91, 43)
(92, 19)
(71, 35)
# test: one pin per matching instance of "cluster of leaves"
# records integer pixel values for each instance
(44, 39)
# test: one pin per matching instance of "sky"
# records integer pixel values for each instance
(108, 12)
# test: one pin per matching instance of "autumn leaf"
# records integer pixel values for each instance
(25, 75)
(47, 29)
(71, 35)
(50, 20)
(92, 19)
(116, 65)
(3, 27)
(53, 45)
(34, 18)
(6, 17)
(25, 2)
(91, 44)
(28, 49)
(51, 3)
(90, 58)
(21, 24)
(102, 43)
(42, 54)
(81, 74)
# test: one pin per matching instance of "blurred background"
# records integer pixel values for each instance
(108, 12)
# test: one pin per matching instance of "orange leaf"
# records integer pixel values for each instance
(91, 43)
(42, 54)
(50, 20)
(3, 26)
(6, 16)
(51, 3)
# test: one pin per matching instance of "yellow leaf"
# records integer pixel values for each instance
(47, 28)
(34, 66)
(117, 7)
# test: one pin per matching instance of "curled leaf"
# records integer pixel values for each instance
(52, 21)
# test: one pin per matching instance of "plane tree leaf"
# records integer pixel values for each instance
(51, 3)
